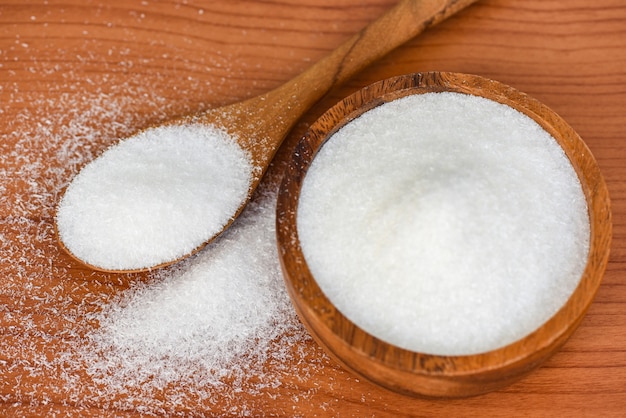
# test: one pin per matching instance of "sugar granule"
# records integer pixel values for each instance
(444, 223)
(61, 343)
(154, 197)
(221, 314)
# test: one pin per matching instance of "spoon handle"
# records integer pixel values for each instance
(401, 23)
(276, 112)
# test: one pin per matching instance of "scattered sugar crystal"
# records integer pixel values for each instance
(62, 345)
(209, 322)
(444, 223)
(154, 197)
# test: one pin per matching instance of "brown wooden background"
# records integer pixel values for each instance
(154, 59)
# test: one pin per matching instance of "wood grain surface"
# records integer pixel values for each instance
(78, 67)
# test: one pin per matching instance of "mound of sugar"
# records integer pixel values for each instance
(154, 197)
(213, 323)
(444, 223)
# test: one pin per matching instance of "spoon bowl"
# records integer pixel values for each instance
(260, 124)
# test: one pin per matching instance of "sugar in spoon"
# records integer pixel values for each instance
(145, 204)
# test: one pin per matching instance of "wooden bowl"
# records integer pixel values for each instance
(412, 372)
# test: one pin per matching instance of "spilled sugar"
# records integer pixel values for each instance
(154, 197)
(216, 330)
(210, 323)
(444, 223)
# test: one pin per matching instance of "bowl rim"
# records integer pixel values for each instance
(383, 362)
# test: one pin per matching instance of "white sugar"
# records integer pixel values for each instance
(444, 223)
(152, 343)
(154, 197)
(212, 321)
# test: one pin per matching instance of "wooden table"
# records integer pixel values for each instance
(80, 67)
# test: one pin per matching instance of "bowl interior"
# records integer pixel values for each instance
(413, 372)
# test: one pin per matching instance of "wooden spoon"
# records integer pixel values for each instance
(261, 123)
